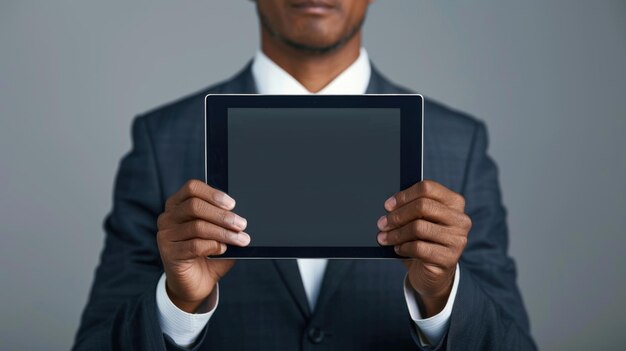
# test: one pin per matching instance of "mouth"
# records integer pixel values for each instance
(313, 7)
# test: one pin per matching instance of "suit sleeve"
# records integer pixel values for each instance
(121, 312)
(488, 313)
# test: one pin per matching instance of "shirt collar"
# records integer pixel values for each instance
(272, 79)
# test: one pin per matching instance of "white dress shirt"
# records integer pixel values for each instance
(184, 328)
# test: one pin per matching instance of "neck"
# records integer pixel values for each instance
(313, 70)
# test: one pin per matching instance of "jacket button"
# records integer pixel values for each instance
(316, 335)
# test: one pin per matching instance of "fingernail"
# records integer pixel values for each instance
(382, 238)
(243, 238)
(227, 201)
(396, 248)
(382, 222)
(390, 203)
(240, 222)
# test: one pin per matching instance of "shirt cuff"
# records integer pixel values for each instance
(184, 328)
(432, 329)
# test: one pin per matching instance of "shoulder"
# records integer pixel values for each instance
(190, 108)
(442, 117)
(179, 110)
(451, 137)
(436, 114)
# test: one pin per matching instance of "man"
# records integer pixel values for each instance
(155, 289)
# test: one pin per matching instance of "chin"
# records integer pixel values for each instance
(314, 37)
(314, 42)
(310, 33)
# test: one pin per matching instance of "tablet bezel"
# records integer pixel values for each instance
(216, 150)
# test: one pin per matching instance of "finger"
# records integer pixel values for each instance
(425, 208)
(427, 252)
(205, 230)
(199, 189)
(424, 231)
(194, 248)
(196, 208)
(429, 189)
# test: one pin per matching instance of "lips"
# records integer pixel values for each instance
(314, 7)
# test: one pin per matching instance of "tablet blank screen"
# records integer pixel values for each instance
(313, 176)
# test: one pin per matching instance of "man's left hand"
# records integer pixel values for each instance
(428, 224)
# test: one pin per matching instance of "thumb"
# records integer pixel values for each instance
(219, 267)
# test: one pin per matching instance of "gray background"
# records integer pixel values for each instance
(548, 77)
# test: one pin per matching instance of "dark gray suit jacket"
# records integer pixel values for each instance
(262, 302)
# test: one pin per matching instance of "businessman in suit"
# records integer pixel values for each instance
(155, 289)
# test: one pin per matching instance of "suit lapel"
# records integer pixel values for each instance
(333, 277)
(378, 84)
(290, 274)
(242, 83)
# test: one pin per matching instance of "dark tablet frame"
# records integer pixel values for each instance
(216, 150)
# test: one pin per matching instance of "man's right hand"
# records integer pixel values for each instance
(197, 222)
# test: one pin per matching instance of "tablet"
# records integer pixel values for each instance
(311, 173)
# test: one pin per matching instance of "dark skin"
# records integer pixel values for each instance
(298, 41)
(427, 223)
(314, 42)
